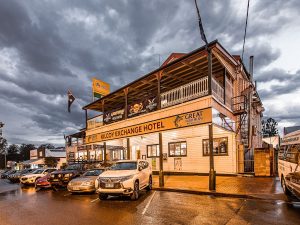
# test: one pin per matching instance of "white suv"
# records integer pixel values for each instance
(126, 177)
(32, 177)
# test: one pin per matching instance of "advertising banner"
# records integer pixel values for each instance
(295, 139)
(144, 106)
(100, 88)
(178, 121)
(113, 116)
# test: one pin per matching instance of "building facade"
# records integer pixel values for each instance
(164, 117)
(38, 158)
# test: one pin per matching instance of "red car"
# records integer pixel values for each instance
(42, 182)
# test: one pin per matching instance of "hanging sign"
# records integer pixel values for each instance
(113, 116)
(145, 106)
(178, 121)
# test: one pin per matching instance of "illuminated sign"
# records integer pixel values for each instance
(183, 120)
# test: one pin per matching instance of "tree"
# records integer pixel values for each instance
(51, 161)
(13, 153)
(3, 145)
(13, 149)
(25, 151)
(48, 146)
(269, 128)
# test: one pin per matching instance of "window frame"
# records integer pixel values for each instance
(292, 153)
(157, 146)
(177, 142)
(214, 141)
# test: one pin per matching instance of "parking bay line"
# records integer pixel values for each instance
(97, 199)
(148, 204)
(67, 194)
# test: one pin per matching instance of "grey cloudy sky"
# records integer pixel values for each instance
(49, 46)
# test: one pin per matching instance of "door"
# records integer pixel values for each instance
(177, 164)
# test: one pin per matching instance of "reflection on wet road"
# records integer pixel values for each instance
(25, 206)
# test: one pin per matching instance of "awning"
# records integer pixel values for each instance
(33, 161)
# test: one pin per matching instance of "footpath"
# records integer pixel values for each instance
(267, 188)
(6, 186)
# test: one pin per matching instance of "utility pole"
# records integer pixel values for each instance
(212, 172)
(1, 136)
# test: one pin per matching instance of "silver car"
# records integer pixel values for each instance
(86, 182)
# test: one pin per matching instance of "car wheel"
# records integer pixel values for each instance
(103, 196)
(37, 189)
(135, 194)
(54, 188)
(284, 187)
(149, 187)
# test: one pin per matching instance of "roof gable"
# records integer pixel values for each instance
(173, 57)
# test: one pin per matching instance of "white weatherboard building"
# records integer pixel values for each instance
(170, 109)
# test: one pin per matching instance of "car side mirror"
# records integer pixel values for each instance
(140, 168)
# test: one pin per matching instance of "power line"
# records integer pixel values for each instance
(245, 34)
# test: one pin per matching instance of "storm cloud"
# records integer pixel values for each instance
(48, 47)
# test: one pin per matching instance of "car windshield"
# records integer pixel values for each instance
(72, 167)
(124, 166)
(93, 173)
(38, 171)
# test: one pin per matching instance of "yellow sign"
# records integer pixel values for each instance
(183, 120)
(100, 87)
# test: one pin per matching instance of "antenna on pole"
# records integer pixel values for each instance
(202, 33)
(245, 33)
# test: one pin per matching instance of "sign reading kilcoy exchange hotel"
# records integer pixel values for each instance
(182, 120)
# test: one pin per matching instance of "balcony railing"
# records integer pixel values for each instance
(217, 90)
(187, 92)
(195, 89)
(95, 122)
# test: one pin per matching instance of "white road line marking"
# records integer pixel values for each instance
(97, 199)
(67, 194)
(148, 204)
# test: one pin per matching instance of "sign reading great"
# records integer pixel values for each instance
(183, 120)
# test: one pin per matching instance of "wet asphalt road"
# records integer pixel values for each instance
(25, 206)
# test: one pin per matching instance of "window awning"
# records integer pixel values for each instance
(33, 161)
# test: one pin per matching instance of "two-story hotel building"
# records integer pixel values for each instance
(169, 110)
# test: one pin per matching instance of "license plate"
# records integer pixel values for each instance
(109, 185)
(55, 179)
(76, 188)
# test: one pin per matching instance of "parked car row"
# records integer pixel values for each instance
(6, 173)
(15, 177)
(125, 177)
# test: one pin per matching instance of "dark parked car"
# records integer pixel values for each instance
(3, 172)
(6, 174)
(60, 178)
(15, 177)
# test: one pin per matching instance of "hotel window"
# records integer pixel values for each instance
(177, 149)
(220, 146)
(153, 151)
